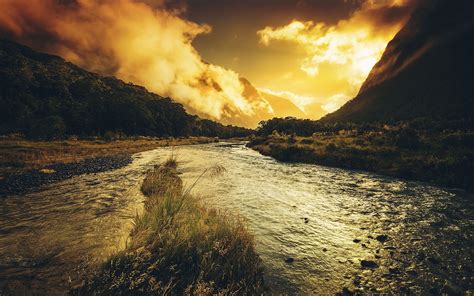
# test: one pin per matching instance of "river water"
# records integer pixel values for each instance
(326, 220)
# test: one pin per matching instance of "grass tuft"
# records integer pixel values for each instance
(179, 246)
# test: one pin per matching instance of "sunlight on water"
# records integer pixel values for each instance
(326, 220)
(50, 237)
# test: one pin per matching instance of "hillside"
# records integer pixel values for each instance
(412, 118)
(43, 96)
(426, 70)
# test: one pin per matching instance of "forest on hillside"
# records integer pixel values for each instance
(45, 97)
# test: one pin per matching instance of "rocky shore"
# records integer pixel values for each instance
(15, 184)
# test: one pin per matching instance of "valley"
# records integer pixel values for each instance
(136, 159)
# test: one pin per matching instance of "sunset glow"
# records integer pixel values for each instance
(345, 51)
(236, 147)
(152, 44)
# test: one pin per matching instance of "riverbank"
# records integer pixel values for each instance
(441, 159)
(26, 166)
(326, 220)
(179, 246)
(30, 181)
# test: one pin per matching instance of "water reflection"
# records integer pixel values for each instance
(328, 221)
(50, 238)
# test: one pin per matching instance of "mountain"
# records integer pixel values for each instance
(43, 96)
(283, 107)
(253, 96)
(270, 105)
(427, 70)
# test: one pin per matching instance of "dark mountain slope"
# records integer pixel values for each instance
(427, 70)
(44, 96)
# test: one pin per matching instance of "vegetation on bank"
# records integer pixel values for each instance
(44, 97)
(423, 149)
(18, 155)
(179, 246)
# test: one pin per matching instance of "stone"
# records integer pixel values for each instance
(346, 291)
(433, 260)
(368, 264)
(394, 270)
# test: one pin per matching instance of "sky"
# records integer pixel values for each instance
(235, 44)
(315, 53)
(277, 65)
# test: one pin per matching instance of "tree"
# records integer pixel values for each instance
(48, 128)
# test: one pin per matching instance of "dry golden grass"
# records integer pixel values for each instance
(442, 158)
(17, 155)
(181, 247)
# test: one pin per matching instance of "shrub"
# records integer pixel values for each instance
(110, 136)
(408, 138)
(307, 141)
(257, 141)
(331, 147)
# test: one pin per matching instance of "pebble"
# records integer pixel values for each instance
(17, 184)
(433, 260)
(368, 264)
(394, 270)
(346, 291)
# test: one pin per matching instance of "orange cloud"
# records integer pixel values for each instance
(145, 42)
(348, 49)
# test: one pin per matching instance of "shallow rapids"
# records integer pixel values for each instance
(317, 229)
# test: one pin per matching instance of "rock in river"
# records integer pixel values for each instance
(368, 264)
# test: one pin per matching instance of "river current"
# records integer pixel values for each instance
(317, 229)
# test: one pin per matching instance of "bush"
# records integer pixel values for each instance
(331, 147)
(307, 141)
(408, 138)
(110, 136)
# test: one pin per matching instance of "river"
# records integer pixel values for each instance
(327, 220)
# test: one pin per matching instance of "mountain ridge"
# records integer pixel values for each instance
(281, 107)
(425, 71)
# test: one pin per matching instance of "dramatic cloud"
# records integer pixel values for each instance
(347, 50)
(146, 42)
